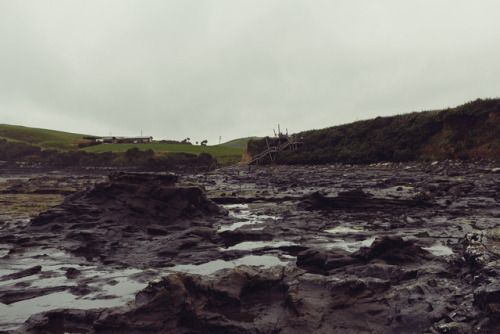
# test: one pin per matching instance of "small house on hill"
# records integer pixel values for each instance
(126, 140)
(136, 140)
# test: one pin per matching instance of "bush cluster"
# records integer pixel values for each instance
(382, 139)
(17, 151)
(395, 138)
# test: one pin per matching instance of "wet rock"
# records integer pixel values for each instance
(135, 194)
(488, 299)
(232, 301)
(452, 328)
(250, 300)
(320, 261)
(157, 230)
(482, 250)
(11, 297)
(312, 260)
(231, 238)
(72, 273)
(23, 273)
(359, 200)
(383, 248)
(115, 221)
(392, 250)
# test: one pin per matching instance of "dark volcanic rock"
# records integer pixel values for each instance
(133, 197)
(392, 250)
(386, 248)
(116, 221)
(359, 200)
(242, 300)
(284, 300)
(23, 273)
(15, 296)
(389, 250)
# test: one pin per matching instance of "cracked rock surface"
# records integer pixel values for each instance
(386, 248)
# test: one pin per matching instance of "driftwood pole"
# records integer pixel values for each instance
(269, 150)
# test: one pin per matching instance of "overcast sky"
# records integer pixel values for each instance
(204, 69)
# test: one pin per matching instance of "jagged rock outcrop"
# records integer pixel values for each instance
(115, 221)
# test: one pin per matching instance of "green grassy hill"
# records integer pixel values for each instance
(64, 141)
(223, 154)
(471, 130)
(47, 139)
(240, 142)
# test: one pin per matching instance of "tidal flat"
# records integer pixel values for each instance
(396, 248)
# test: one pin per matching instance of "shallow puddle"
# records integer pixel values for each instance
(234, 226)
(3, 252)
(246, 216)
(251, 245)
(12, 316)
(439, 250)
(345, 229)
(352, 246)
(262, 261)
(108, 287)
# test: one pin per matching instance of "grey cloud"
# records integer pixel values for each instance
(201, 69)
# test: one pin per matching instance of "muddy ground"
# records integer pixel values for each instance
(386, 248)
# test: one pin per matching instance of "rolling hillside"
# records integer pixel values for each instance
(223, 154)
(44, 139)
(47, 139)
(468, 131)
(240, 142)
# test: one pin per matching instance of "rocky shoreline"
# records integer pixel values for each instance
(384, 248)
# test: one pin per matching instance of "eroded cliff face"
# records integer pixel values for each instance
(466, 136)
(386, 248)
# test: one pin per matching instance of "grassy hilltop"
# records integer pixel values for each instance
(240, 142)
(224, 154)
(19, 143)
(43, 138)
(471, 130)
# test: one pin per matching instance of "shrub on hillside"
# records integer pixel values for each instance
(17, 151)
(397, 138)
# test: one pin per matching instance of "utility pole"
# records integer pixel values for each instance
(220, 138)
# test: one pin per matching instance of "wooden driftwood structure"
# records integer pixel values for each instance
(285, 142)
